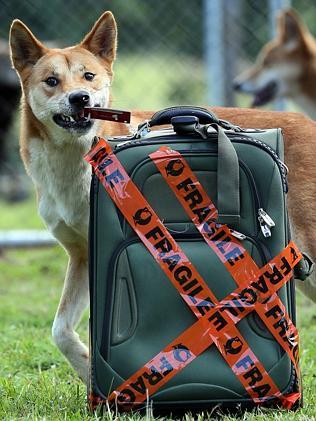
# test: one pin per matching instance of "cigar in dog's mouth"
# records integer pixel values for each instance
(109, 114)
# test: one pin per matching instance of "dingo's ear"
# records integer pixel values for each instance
(25, 48)
(291, 28)
(102, 38)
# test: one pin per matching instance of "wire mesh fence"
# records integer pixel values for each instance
(162, 45)
(169, 53)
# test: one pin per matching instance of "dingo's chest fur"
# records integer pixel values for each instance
(63, 181)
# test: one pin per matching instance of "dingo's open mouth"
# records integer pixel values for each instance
(75, 121)
(266, 94)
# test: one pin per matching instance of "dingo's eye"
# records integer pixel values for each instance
(89, 76)
(52, 81)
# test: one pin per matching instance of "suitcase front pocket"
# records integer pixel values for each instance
(146, 313)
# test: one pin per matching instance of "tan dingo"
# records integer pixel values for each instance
(57, 84)
(285, 67)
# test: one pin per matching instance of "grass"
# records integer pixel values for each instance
(36, 383)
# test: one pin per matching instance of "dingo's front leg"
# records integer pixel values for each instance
(74, 300)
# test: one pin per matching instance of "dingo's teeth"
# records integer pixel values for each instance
(66, 118)
(74, 121)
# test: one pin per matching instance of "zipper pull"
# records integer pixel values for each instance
(265, 230)
(237, 234)
(262, 215)
(266, 222)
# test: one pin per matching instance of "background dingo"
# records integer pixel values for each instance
(285, 67)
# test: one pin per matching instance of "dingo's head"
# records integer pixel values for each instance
(58, 83)
(280, 64)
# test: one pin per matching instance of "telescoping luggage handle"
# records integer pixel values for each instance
(187, 120)
(203, 115)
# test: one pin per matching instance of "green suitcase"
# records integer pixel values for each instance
(136, 311)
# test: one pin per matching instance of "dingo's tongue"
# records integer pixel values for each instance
(118, 116)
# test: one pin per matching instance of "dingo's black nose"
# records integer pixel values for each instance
(79, 98)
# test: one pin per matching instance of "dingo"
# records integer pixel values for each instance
(285, 67)
(57, 84)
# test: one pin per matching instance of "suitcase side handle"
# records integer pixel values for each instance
(228, 183)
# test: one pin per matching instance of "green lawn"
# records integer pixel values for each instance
(35, 380)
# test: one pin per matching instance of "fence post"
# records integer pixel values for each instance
(274, 7)
(221, 28)
(214, 44)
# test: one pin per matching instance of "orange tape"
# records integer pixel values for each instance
(237, 260)
(183, 275)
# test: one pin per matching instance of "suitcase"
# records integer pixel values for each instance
(139, 321)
